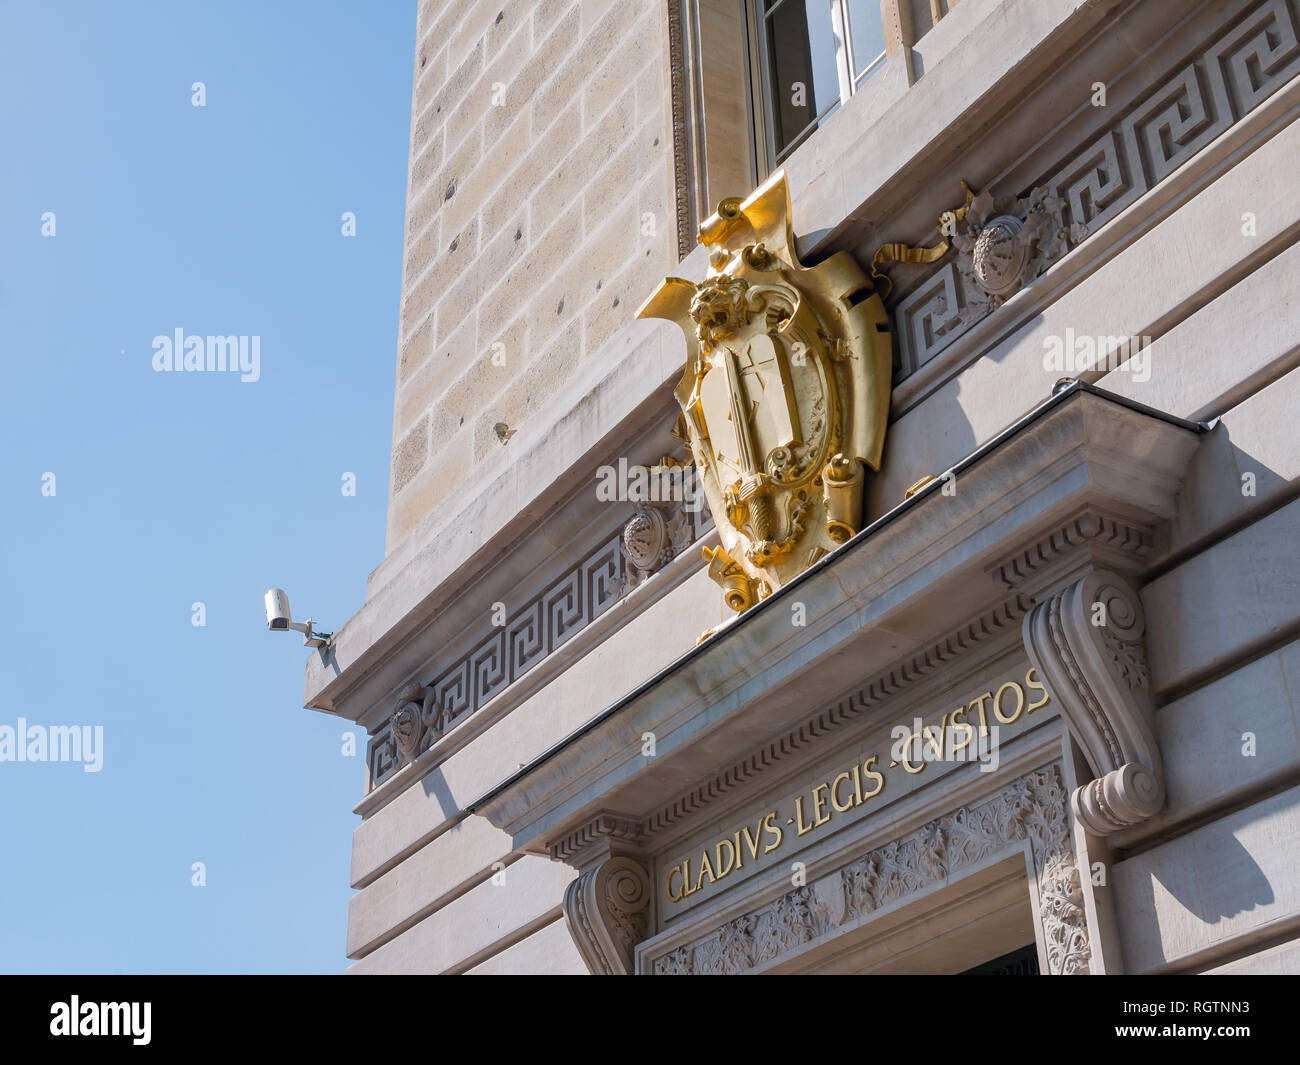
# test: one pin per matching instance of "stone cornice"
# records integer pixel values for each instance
(899, 579)
(1091, 536)
(604, 834)
(392, 640)
(989, 627)
(469, 727)
(563, 602)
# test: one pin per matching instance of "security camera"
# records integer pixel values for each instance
(277, 609)
(279, 618)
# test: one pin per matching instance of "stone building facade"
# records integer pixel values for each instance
(1076, 556)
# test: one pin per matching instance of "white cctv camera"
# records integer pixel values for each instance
(279, 619)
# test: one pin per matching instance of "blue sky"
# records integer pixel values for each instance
(179, 488)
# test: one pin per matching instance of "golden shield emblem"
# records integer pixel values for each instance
(785, 393)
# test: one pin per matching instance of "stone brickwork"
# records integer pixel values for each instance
(540, 210)
(1177, 201)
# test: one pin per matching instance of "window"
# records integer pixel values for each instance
(811, 57)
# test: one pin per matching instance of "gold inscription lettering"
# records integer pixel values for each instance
(770, 826)
(677, 869)
(936, 746)
(835, 793)
(1036, 685)
(767, 834)
(723, 870)
(962, 729)
(872, 774)
(798, 813)
(909, 745)
(705, 867)
(1020, 703)
(819, 804)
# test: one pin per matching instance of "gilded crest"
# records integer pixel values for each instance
(785, 393)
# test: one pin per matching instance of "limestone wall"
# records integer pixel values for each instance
(539, 210)
(580, 152)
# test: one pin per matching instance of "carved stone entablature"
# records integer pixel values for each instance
(1031, 810)
(986, 629)
(1083, 480)
(1093, 537)
(608, 911)
(536, 627)
(1222, 78)
(1087, 643)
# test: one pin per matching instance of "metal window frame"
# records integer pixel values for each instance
(759, 60)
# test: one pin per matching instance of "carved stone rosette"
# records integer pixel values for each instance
(785, 393)
(1002, 244)
(608, 910)
(1087, 644)
(657, 532)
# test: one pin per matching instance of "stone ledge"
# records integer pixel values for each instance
(866, 606)
(621, 390)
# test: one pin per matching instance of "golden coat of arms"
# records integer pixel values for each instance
(785, 394)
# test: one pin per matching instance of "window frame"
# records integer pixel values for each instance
(757, 12)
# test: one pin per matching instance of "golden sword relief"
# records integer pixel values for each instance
(784, 396)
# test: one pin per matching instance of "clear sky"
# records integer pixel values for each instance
(173, 489)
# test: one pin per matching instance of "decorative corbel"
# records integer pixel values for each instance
(1087, 643)
(608, 913)
(607, 908)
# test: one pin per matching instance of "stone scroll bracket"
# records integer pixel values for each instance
(1087, 643)
(607, 908)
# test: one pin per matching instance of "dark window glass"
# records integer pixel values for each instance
(1022, 962)
(804, 77)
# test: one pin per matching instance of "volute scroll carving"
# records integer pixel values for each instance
(607, 909)
(1087, 643)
